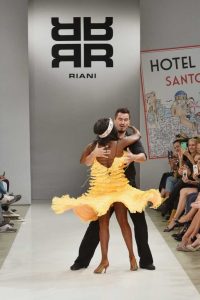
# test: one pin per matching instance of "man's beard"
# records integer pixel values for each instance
(121, 131)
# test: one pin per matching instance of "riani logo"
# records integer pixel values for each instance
(76, 48)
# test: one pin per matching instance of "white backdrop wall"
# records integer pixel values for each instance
(59, 107)
(64, 110)
(165, 24)
(14, 97)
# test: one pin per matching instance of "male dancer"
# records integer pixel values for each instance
(91, 237)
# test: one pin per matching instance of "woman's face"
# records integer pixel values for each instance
(198, 148)
(197, 159)
(192, 146)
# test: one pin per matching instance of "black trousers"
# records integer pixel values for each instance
(91, 239)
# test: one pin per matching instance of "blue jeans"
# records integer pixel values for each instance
(2, 188)
(170, 183)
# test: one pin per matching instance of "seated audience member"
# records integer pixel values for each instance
(7, 199)
(172, 202)
(184, 192)
(175, 160)
(5, 225)
(191, 238)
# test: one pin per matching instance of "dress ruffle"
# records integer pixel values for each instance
(107, 186)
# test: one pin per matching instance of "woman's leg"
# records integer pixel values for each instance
(196, 224)
(188, 217)
(196, 243)
(121, 215)
(104, 240)
(182, 200)
(181, 205)
(190, 233)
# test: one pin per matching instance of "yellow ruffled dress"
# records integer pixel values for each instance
(107, 186)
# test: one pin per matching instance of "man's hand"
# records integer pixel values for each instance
(129, 158)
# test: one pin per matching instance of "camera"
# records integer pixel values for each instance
(195, 170)
(184, 173)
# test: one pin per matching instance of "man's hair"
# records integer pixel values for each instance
(122, 110)
(177, 141)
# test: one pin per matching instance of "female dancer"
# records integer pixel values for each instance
(108, 187)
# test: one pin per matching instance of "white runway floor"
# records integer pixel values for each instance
(37, 266)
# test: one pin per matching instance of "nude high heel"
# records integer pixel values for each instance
(101, 267)
(133, 264)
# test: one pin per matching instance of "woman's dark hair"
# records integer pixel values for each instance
(100, 127)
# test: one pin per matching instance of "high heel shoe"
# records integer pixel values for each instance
(168, 229)
(191, 248)
(184, 219)
(101, 267)
(133, 264)
(178, 236)
(179, 224)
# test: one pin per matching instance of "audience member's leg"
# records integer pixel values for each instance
(189, 216)
(190, 199)
(191, 232)
(181, 204)
(170, 183)
(163, 180)
(169, 204)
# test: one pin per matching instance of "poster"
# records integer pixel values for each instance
(170, 81)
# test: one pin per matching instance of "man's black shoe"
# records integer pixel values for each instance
(76, 266)
(150, 267)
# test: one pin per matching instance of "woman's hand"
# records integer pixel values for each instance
(92, 152)
(101, 151)
(186, 180)
(195, 177)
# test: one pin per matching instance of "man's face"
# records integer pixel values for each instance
(122, 121)
(177, 147)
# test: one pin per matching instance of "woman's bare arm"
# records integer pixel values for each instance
(131, 139)
(91, 152)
